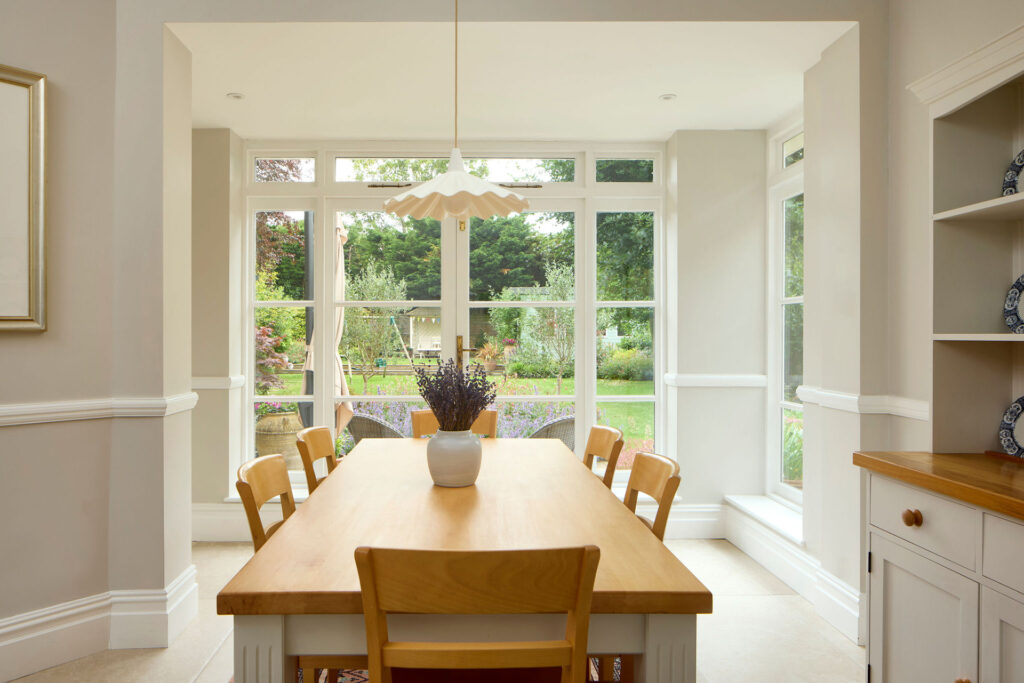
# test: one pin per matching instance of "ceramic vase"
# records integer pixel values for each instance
(454, 458)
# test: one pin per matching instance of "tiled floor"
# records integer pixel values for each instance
(761, 630)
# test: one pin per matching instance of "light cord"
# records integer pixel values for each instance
(456, 73)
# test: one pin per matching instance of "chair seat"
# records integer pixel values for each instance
(274, 527)
(647, 522)
(433, 655)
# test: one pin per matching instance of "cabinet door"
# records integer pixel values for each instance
(924, 618)
(1002, 638)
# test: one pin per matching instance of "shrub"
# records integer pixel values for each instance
(536, 368)
(630, 364)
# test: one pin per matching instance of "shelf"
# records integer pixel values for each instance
(1009, 208)
(993, 337)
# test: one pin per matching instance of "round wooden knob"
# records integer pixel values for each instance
(913, 517)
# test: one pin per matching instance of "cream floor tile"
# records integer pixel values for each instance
(216, 563)
(725, 569)
(773, 638)
(220, 668)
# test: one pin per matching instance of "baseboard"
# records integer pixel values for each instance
(690, 521)
(46, 637)
(153, 618)
(836, 601)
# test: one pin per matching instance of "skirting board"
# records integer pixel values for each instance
(119, 619)
(225, 522)
(836, 601)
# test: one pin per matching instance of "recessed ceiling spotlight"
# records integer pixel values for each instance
(667, 97)
(240, 96)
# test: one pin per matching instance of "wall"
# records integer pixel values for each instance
(216, 309)
(716, 196)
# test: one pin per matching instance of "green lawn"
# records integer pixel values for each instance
(404, 385)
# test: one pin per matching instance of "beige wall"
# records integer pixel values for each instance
(216, 309)
(54, 478)
(717, 324)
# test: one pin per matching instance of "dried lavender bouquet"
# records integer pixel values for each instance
(456, 396)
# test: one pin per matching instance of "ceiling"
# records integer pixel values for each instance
(518, 81)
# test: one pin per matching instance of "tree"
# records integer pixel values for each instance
(625, 262)
(281, 249)
(369, 332)
(554, 328)
(504, 252)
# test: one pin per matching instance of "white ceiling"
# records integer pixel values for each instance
(518, 81)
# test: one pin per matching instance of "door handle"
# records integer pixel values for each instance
(459, 350)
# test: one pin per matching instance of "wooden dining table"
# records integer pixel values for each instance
(299, 595)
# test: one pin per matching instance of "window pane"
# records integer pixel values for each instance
(281, 338)
(524, 257)
(793, 150)
(422, 169)
(523, 170)
(387, 258)
(625, 170)
(794, 207)
(793, 447)
(286, 170)
(636, 421)
(625, 351)
(394, 414)
(284, 255)
(521, 420)
(793, 350)
(527, 351)
(380, 345)
(625, 256)
(276, 424)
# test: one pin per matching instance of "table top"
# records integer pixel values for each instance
(991, 481)
(531, 493)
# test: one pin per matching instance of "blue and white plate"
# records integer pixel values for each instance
(1011, 307)
(1013, 181)
(1007, 429)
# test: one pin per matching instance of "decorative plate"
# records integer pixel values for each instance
(1013, 181)
(1012, 315)
(1007, 435)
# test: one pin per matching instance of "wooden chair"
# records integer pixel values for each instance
(425, 424)
(658, 477)
(316, 443)
(603, 442)
(550, 581)
(260, 480)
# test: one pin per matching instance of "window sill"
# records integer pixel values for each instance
(782, 519)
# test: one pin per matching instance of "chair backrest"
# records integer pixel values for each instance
(549, 581)
(425, 424)
(563, 428)
(658, 477)
(603, 442)
(315, 443)
(260, 480)
(368, 427)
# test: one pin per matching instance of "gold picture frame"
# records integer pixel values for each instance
(22, 191)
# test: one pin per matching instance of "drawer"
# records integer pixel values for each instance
(948, 529)
(1002, 556)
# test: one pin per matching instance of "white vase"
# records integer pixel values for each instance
(454, 458)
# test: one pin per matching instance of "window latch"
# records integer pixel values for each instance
(521, 185)
(389, 184)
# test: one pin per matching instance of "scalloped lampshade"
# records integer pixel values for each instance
(456, 193)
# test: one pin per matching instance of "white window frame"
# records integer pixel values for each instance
(783, 183)
(587, 196)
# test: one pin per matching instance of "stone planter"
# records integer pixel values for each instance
(275, 433)
(489, 365)
(454, 458)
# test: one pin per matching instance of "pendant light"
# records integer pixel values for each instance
(456, 193)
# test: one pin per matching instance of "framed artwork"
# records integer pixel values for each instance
(22, 184)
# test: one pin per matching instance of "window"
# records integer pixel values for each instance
(285, 170)
(792, 314)
(557, 303)
(793, 150)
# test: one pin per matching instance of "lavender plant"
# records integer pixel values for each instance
(455, 395)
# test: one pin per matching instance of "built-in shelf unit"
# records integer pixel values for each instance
(978, 252)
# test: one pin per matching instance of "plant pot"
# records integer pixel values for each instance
(454, 458)
(275, 433)
(490, 365)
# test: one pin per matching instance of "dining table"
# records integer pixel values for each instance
(299, 596)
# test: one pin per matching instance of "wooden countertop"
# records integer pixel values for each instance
(985, 480)
(531, 493)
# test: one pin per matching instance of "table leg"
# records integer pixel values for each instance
(259, 650)
(670, 649)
